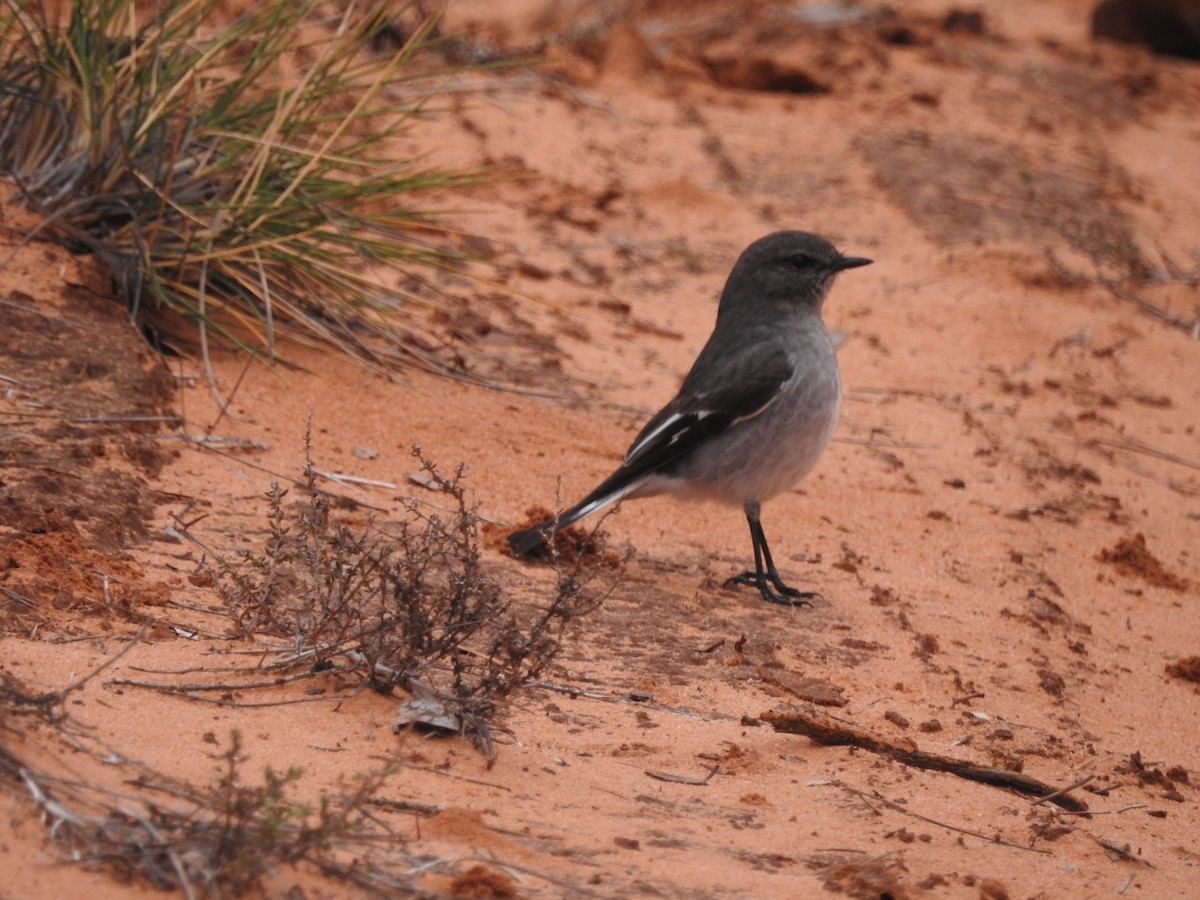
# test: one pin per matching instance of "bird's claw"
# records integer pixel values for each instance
(773, 590)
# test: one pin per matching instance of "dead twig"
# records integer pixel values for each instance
(198, 687)
(92, 420)
(824, 729)
(296, 482)
(55, 698)
(341, 478)
(1066, 790)
(1132, 445)
(436, 771)
(214, 440)
(1189, 325)
(641, 698)
(1122, 851)
(1101, 812)
(262, 704)
(896, 807)
(413, 806)
(683, 779)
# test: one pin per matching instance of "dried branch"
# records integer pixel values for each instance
(824, 729)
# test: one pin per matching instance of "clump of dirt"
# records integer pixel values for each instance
(1186, 669)
(864, 879)
(1133, 559)
(575, 545)
(1151, 776)
(58, 573)
(481, 883)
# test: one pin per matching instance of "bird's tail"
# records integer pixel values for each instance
(523, 542)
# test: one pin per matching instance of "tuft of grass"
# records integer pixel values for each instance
(250, 178)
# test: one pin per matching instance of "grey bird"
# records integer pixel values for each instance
(755, 412)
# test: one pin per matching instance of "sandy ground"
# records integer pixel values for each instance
(1004, 532)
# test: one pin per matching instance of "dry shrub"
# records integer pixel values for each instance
(409, 607)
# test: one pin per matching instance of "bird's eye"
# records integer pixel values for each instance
(800, 261)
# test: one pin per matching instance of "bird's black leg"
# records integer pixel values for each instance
(766, 577)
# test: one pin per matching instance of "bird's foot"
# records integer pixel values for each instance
(773, 590)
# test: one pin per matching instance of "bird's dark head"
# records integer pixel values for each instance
(791, 268)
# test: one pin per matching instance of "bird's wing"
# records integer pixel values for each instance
(751, 383)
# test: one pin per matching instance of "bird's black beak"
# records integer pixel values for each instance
(851, 262)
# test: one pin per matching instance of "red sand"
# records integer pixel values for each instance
(1005, 530)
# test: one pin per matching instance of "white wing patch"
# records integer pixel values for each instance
(695, 417)
(667, 424)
